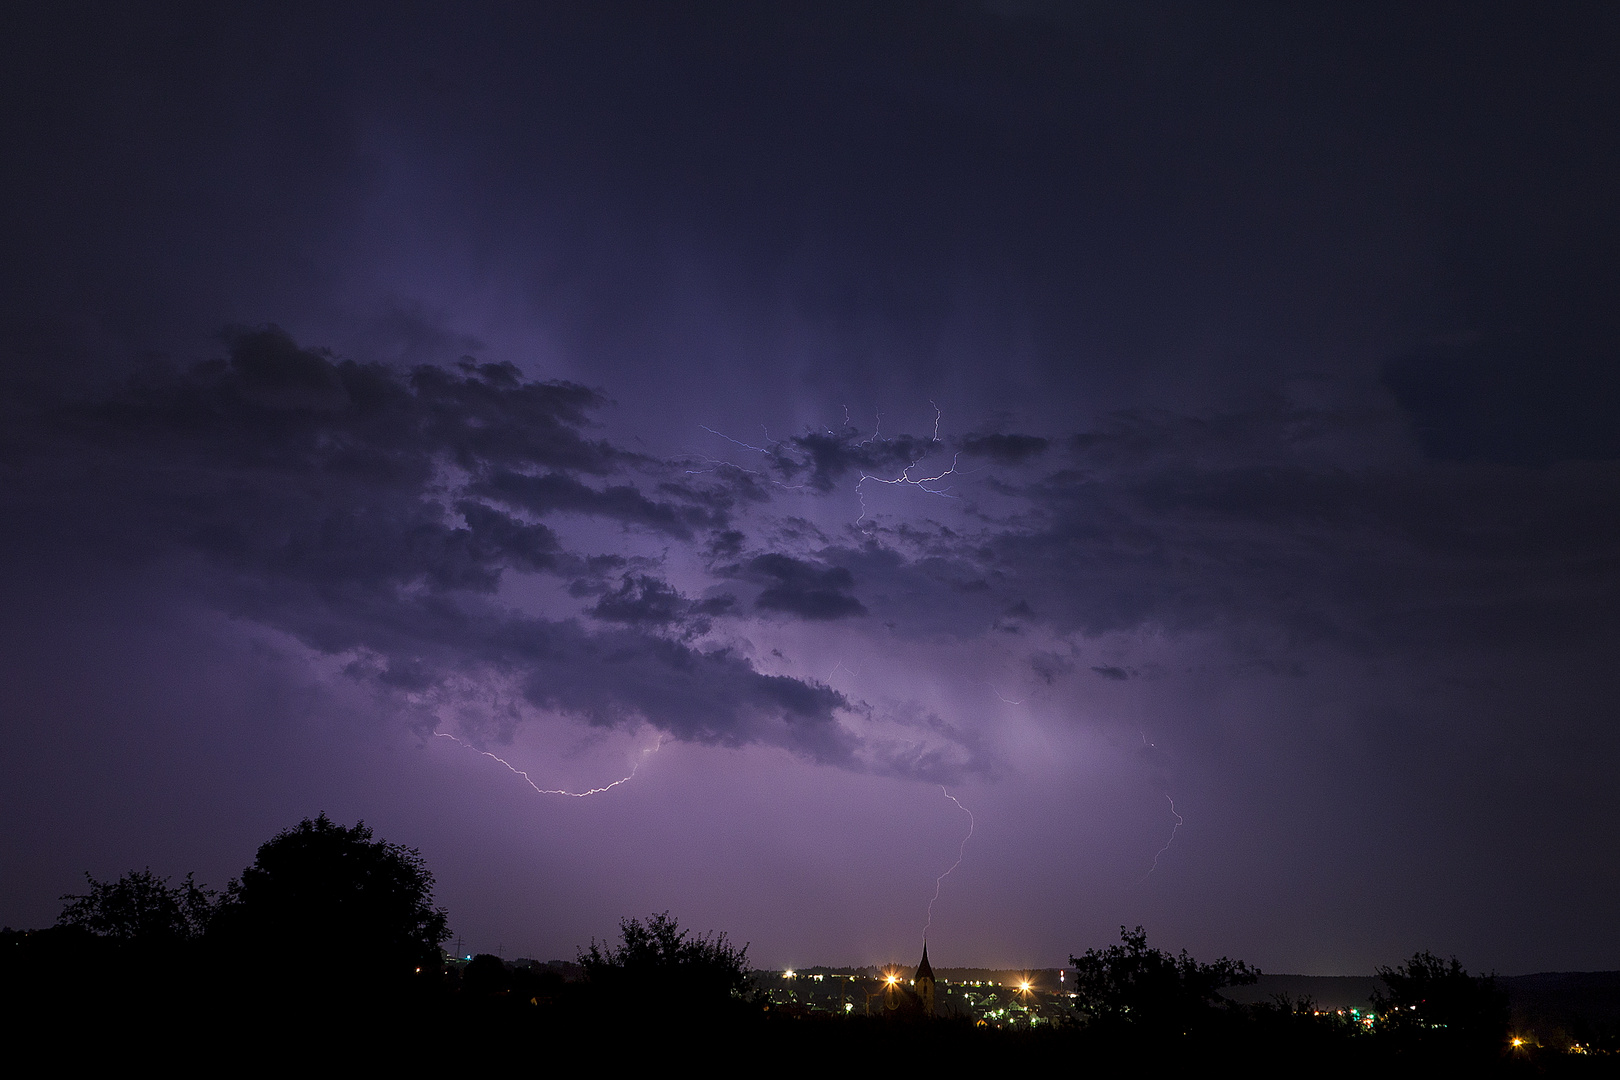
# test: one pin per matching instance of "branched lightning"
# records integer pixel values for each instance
(773, 449)
(1167, 843)
(905, 476)
(961, 850)
(653, 749)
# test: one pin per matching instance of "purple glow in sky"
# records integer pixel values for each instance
(1143, 423)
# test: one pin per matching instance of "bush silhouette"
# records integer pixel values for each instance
(1131, 985)
(668, 968)
(1436, 1001)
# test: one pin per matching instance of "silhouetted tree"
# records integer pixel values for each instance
(137, 939)
(1436, 1000)
(141, 908)
(333, 903)
(1134, 985)
(661, 964)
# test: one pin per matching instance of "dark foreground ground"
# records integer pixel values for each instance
(412, 1034)
(85, 1005)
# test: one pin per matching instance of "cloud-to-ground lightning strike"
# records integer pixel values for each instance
(961, 850)
(653, 749)
(1167, 843)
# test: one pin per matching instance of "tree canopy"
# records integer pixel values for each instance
(1131, 984)
(319, 888)
(141, 908)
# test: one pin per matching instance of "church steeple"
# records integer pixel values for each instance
(925, 983)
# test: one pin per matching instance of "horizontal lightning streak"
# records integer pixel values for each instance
(719, 464)
(729, 439)
(557, 791)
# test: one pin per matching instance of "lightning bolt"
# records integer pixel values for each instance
(653, 749)
(1167, 843)
(735, 442)
(960, 851)
(846, 667)
(877, 425)
(999, 694)
(773, 449)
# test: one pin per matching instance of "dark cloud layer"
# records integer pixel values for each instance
(325, 494)
(1183, 523)
(1005, 449)
(801, 588)
(346, 504)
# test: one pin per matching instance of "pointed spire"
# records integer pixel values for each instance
(923, 970)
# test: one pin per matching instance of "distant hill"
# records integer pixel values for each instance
(1565, 1006)
(1555, 1007)
(1325, 991)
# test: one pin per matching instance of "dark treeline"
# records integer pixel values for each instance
(326, 951)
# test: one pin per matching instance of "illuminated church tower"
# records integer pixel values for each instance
(925, 983)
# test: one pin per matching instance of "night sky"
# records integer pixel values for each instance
(1108, 414)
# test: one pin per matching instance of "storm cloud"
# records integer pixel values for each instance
(344, 503)
(1134, 418)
